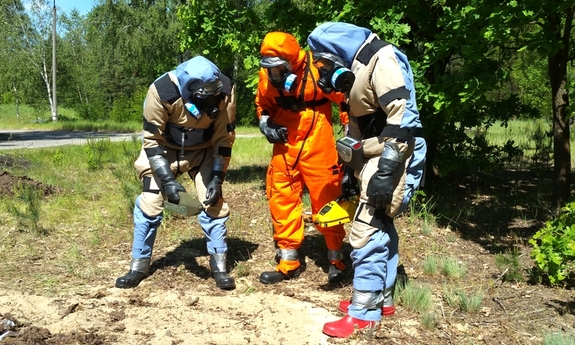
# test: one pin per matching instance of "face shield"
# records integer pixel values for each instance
(279, 73)
(334, 75)
(207, 98)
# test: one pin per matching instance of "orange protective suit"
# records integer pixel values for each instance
(308, 158)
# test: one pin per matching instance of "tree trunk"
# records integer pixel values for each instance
(557, 66)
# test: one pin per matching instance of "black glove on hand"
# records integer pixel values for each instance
(381, 185)
(273, 132)
(214, 189)
(349, 184)
(170, 187)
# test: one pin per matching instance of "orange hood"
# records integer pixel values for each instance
(285, 46)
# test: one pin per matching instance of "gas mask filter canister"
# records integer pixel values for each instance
(334, 75)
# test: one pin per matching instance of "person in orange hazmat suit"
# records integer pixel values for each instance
(296, 117)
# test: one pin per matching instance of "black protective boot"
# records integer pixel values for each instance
(139, 269)
(273, 277)
(218, 266)
(334, 275)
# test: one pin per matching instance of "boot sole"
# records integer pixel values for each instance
(227, 287)
(338, 278)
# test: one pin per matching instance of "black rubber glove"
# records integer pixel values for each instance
(349, 187)
(273, 132)
(214, 189)
(170, 187)
(381, 185)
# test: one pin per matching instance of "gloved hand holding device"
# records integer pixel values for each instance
(273, 132)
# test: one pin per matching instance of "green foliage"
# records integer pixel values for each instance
(229, 33)
(554, 246)
(129, 109)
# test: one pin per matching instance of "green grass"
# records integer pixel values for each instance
(415, 298)
(430, 265)
(452, 268)
(466, 302)
(532, 136)
(30, 118)
(558, 339)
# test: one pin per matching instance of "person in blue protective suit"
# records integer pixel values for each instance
(189, 127)
(385, 172)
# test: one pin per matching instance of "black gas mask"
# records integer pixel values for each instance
(279, 73)
(333, 73)
(205, 98)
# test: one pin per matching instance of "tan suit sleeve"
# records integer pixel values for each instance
(224, 132)
(389, 85)
(156, 115)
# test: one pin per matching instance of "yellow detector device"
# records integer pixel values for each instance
(338, 211)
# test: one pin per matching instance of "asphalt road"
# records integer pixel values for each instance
(30, 139)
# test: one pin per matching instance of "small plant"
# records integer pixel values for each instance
(466, 303)
(428, 321)
(554, 246)
(430, 265)
(242, 269)
(420, 208)
(450, 267)
(26, 207)
(510, 262)
(57, 158)
(414, 298)
(95, 150)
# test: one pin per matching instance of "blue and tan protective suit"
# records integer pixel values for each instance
(382, 109)
(198, 147)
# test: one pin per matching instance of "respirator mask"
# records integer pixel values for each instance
(205, 98)
(333, 73)
(279, 73)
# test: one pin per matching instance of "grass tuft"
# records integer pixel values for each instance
(415, 298)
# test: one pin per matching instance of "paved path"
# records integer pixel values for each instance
(29, 139)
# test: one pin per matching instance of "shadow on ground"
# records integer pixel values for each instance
(187, 252)
(496, 210)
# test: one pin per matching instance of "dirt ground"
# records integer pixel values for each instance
(179, 304)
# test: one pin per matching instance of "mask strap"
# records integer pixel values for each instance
(304, 79)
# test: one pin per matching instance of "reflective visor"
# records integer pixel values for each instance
(277, 68)
(278, 74)
(209, 89)
(325, 62)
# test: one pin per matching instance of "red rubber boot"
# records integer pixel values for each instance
(345, 327)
